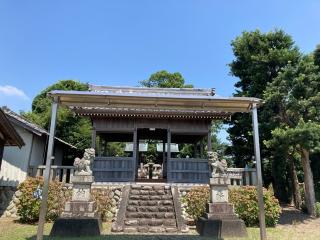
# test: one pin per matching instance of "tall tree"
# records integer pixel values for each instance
(73, 129)
(258, 59)
(316, 55)
(295, 94)
(164, 79)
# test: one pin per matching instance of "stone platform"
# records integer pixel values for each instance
(80, 216)
(76, 227)
(220, 221)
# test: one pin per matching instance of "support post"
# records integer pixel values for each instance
(168, 152)
(263, 235)
(209, 139)
(93, 138)
(135, 153)
(164, 162)
(45, 191)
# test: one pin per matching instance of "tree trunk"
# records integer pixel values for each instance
(295, 183)
(308, 183)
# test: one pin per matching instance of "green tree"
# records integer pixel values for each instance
(295, 95)
(164, 79)
(73, 129)
(258, 59)
(316, 55)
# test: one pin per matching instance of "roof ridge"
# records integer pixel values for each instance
(153, 90)
(35, 127)
(24, 120)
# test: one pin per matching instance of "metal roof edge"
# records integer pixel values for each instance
(167, 96)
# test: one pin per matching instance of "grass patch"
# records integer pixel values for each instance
(14, 230)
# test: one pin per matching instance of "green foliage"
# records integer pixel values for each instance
(164, 79)
(317, 190)
(245, 202)
(29, 206)
(196, 200)
(73, 129)
(103, 200)
(316, 55)
(115, 149)
(317, 209)
(294, 96)
(258, 60)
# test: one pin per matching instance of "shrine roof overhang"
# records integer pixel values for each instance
(117, 104)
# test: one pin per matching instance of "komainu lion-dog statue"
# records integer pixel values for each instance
(83, 165)
(218, 167)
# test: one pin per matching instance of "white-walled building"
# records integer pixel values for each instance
(16, 161)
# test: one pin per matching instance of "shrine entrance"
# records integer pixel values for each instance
(151, 155)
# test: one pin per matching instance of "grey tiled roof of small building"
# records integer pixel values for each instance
(32, 127)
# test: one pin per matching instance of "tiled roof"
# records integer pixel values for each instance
(156, 92)
(11, 137)
(26, 124)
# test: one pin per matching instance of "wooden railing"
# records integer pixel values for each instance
(238, 176)
(59, 173)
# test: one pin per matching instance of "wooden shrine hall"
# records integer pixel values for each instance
(151, 134)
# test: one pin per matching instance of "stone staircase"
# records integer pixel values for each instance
(149, 209)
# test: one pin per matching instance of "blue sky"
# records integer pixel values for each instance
(121, 42)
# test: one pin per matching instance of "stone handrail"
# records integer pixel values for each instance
(242, 176)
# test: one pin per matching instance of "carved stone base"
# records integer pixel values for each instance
(79, 209)
(221, 228)
(220, 221)
(81, 187)
(76, 227)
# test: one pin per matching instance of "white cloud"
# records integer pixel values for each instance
(12, 91)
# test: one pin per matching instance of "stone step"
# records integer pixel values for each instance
(158, 215)
(150, 203)
(149, 192)
(150, 209)
(145, 229)
(150, 197)
(150, 187)
(150, 222)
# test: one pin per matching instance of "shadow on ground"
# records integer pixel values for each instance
(290, 215)
(133, 237)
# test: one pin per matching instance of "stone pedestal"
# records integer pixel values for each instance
(220, 221)
(80, 216)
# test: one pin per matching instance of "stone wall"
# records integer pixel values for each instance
(182, 193)
(9, 198)
(115, 195)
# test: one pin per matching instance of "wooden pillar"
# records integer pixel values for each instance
(1, 150)
(164, 162)
(45, 191)
(93, 138)
(209, 139)
(135, 153)
(168, 152)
